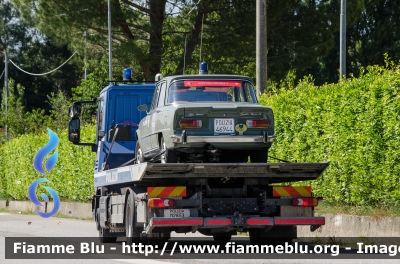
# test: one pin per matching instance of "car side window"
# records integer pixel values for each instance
(162, 87)
(249, 91)
(156, 95)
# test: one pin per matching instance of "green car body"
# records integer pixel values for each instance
(205, 118)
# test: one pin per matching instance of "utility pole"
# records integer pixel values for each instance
(6, 87)
(109, 43)
(343, 39)
(84, 33)
(261, 46)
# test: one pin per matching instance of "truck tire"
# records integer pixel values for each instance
(106, 236)
(222, 238)
(259, 156)
(132, 233)
(169, 155)
(278, 235)
(139, 154)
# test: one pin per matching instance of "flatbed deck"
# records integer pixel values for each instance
(275, 172)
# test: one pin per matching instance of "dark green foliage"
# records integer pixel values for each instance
(34, 53)
(354, 124)
(21, 122)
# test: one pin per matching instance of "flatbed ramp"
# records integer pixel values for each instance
(275, 172)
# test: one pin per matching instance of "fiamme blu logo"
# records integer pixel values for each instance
(50, 163)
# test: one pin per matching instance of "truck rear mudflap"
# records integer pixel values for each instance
(275, 172)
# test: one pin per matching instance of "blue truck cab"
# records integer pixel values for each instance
(116, 123)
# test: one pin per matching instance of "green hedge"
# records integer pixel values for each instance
(355, 124)
(71, 177)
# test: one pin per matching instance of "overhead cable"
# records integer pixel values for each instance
(39, 74)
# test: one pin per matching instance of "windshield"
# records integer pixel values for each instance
(211, 90)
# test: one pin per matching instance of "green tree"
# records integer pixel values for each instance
(35, 53)
(150, 36)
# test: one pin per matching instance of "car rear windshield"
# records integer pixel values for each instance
(211, 90)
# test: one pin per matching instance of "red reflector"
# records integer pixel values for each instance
(255, 221)
(219, 221)
(178, 222)
(305, 201)
(299, 221)
(190, 123)
(160, 203)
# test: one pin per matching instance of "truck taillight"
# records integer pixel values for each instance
(160, 203)
(190, 123)
(305, 201)
(257, 123)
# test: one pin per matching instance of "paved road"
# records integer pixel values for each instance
(16, 225)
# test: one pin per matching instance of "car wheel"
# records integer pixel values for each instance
(259, 156)
(169, 156)
(139, 154)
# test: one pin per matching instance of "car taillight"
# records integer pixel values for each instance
(257, 123)
(305, 201)
(160, 203)
(190, 123)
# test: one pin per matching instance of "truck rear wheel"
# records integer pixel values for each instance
(278, 235)
(105, 236)
(132, 232)
(222, 238)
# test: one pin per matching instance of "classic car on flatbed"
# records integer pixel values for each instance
(205, 118)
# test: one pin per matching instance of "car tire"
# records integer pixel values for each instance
(139, 154)
(169, 156)
(259, 156)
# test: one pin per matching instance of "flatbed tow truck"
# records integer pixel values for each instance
(148, 201)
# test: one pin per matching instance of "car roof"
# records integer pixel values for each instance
(205, 76)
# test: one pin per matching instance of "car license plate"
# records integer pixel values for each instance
(176, 213)
(224, 125)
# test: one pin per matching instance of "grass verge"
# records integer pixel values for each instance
(327, 207)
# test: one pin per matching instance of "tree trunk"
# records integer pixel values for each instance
(157, 17)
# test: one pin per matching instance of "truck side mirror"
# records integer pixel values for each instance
(74, 130)
(73, 111)
(142, 108)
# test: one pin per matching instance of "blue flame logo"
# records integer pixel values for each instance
(50, 163)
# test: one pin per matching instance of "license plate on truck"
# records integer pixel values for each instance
(176, 213)
(224, 125)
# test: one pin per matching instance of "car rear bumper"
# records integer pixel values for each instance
(183, 138)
